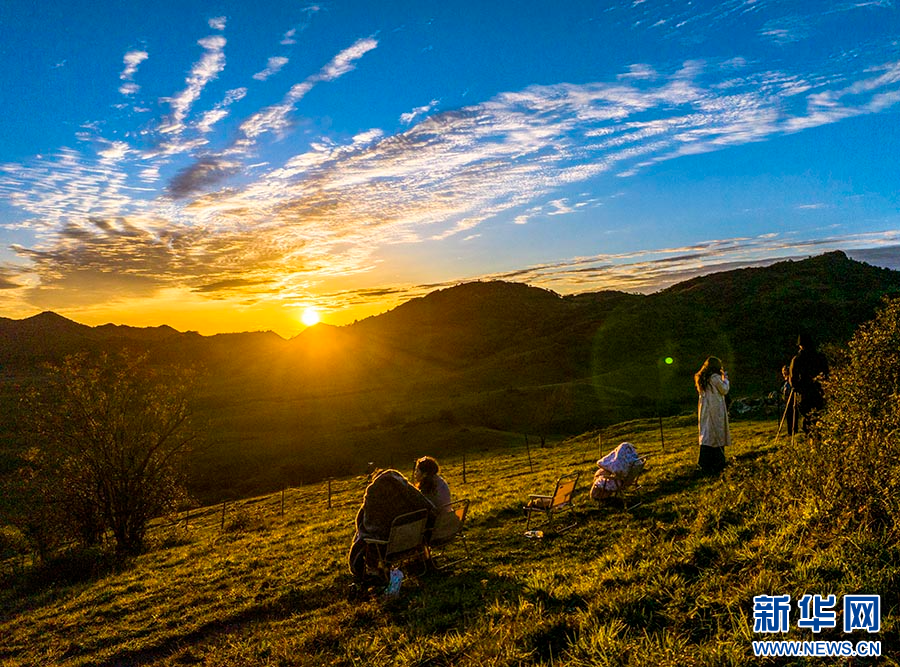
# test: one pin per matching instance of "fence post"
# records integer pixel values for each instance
(329, 493)
(662, 439)
(464, 468)
(282, 501)
(223, 515)
(528, 450)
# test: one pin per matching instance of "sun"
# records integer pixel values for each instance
(310, 316)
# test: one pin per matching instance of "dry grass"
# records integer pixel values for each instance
(670, 582)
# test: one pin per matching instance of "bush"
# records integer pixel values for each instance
(850, 467)
(112, 436)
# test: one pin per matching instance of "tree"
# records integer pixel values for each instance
(112, 435)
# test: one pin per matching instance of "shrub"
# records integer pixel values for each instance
(850, 467)
(111, 437)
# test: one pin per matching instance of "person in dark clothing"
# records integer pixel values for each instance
(808, 368)
(388, 496)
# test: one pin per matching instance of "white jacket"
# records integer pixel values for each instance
(713, 413)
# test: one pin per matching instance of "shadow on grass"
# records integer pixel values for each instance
(282, 606)
(51, 579)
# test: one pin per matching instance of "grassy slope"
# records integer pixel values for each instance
(670, 582)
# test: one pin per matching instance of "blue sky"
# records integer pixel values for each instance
(221, 166)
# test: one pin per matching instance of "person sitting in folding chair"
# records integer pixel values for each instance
(388, 496)
(616, 472)
(430, 483)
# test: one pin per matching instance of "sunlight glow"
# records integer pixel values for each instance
(310, 317)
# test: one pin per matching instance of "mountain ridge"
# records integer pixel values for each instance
(507, 357)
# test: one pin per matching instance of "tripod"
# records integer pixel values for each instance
(791, 405)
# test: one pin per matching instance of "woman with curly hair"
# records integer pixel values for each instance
(430, 483)
(712, 412)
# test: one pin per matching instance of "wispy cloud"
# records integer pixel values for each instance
(649, 271)
(204, 71)
(290, 37)
(209, 118)
(409, 117)
(273, 66)
(275, 119)
(132, 60)
(786, 30)
(290, 220)
(639, 71)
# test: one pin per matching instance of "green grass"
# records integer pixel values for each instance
(669, 582)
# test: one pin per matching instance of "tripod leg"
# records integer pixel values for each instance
(794, 426)
(784, 416)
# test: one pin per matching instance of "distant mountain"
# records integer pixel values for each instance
(495, 355)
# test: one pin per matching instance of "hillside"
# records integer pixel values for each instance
(519, 360)
(668, 582)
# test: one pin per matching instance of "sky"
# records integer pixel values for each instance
(224, 166)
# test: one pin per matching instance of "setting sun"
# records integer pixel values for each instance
(310, 317)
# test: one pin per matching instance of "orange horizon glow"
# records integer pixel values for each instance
(207, 317)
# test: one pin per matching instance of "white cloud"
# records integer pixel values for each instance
(203, 71)
(345, 61)
(220, 110)
(273, 66)
(560, 207)
(218, 22)
(115, 150)
(132, 60)
(325, 209)
(289, 36)
(275, 118)
(408, 118)
(639, 71)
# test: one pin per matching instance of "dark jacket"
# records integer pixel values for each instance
(808, 369)
(387, 497)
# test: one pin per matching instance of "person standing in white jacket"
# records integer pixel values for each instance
(712, 412)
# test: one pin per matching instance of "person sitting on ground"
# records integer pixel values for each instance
(430, 483)
(387, 496)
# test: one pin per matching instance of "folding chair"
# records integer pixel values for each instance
(449, 527)
(613, 484)
(558, 502)
(405, 543)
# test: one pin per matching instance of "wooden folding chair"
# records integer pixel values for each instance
(405, 543)
(559, 502)
(449, 527)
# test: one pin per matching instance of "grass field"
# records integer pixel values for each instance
(670, 582)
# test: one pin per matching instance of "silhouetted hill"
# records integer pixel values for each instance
(501, 355)
(41, 337)
(748, 317)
